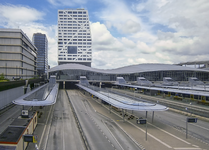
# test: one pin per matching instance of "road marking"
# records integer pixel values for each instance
(197, 125)
(113, 136)
(187, 148)
(63, 133)
(170, 134)
(47, 124)
(145, 132)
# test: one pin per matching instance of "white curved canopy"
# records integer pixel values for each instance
(42, 96)
(125, 103)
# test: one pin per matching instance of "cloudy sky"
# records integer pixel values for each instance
(124, 32)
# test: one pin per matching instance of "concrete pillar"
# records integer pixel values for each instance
(152, 116)
(123, 114)
(146, 114)
(63, 84)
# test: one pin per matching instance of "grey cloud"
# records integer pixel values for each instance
(181, 21)
(98, 62)
(129, 27)
(165, 35)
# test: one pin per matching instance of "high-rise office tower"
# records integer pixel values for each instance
(41, 43)
(74, 37)
(17, 55)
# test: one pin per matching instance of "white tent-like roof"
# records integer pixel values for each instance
(126, 70)
(124, 103)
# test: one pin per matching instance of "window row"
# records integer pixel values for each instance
(72, 22)
(76, 55)
(79, 43)
(61, 24)
(80, 51)
(69, 37)
(79, 47)
(73, 18)
(73, 28)
(74, 33)
(69, 26)
(74, 40)
(72, 12)
(89, 59)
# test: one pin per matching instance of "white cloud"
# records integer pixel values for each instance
(103, 40)
(66, 2)
(186, 18)
(25, 18)
(15, 13)
(117, 14)
(129, 26)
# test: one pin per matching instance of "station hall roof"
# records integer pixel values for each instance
(127, 69)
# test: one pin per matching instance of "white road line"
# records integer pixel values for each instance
(187, 148)
(47, 124)
(169, 134)
(195, 145)
(113, 136)
(197, 125)
(63, 133)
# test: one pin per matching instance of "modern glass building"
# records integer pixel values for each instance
(17, 55)
(41, 42)
(74, 37)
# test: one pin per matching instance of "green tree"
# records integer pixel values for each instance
(2, 77)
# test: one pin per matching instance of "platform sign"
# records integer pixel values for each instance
(30, 138)
(192, 120)
(141, 121)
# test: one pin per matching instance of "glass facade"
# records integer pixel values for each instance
(41, 42)
(74, 37)
(177, 75)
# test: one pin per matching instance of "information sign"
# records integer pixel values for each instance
(141, 121)
(192, 120)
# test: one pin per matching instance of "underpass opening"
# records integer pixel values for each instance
(68, 85)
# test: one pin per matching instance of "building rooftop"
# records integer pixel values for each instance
(11, 134)
(127, 69)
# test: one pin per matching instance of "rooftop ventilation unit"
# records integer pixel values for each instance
(83, 81)
(24, 113)
(168, 81)
(120, 80)
(144, 82)
(193, 81)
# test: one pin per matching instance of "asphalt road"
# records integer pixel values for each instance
(100, 131)
(64, 134)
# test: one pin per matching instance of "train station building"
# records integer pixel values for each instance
(152, 72)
